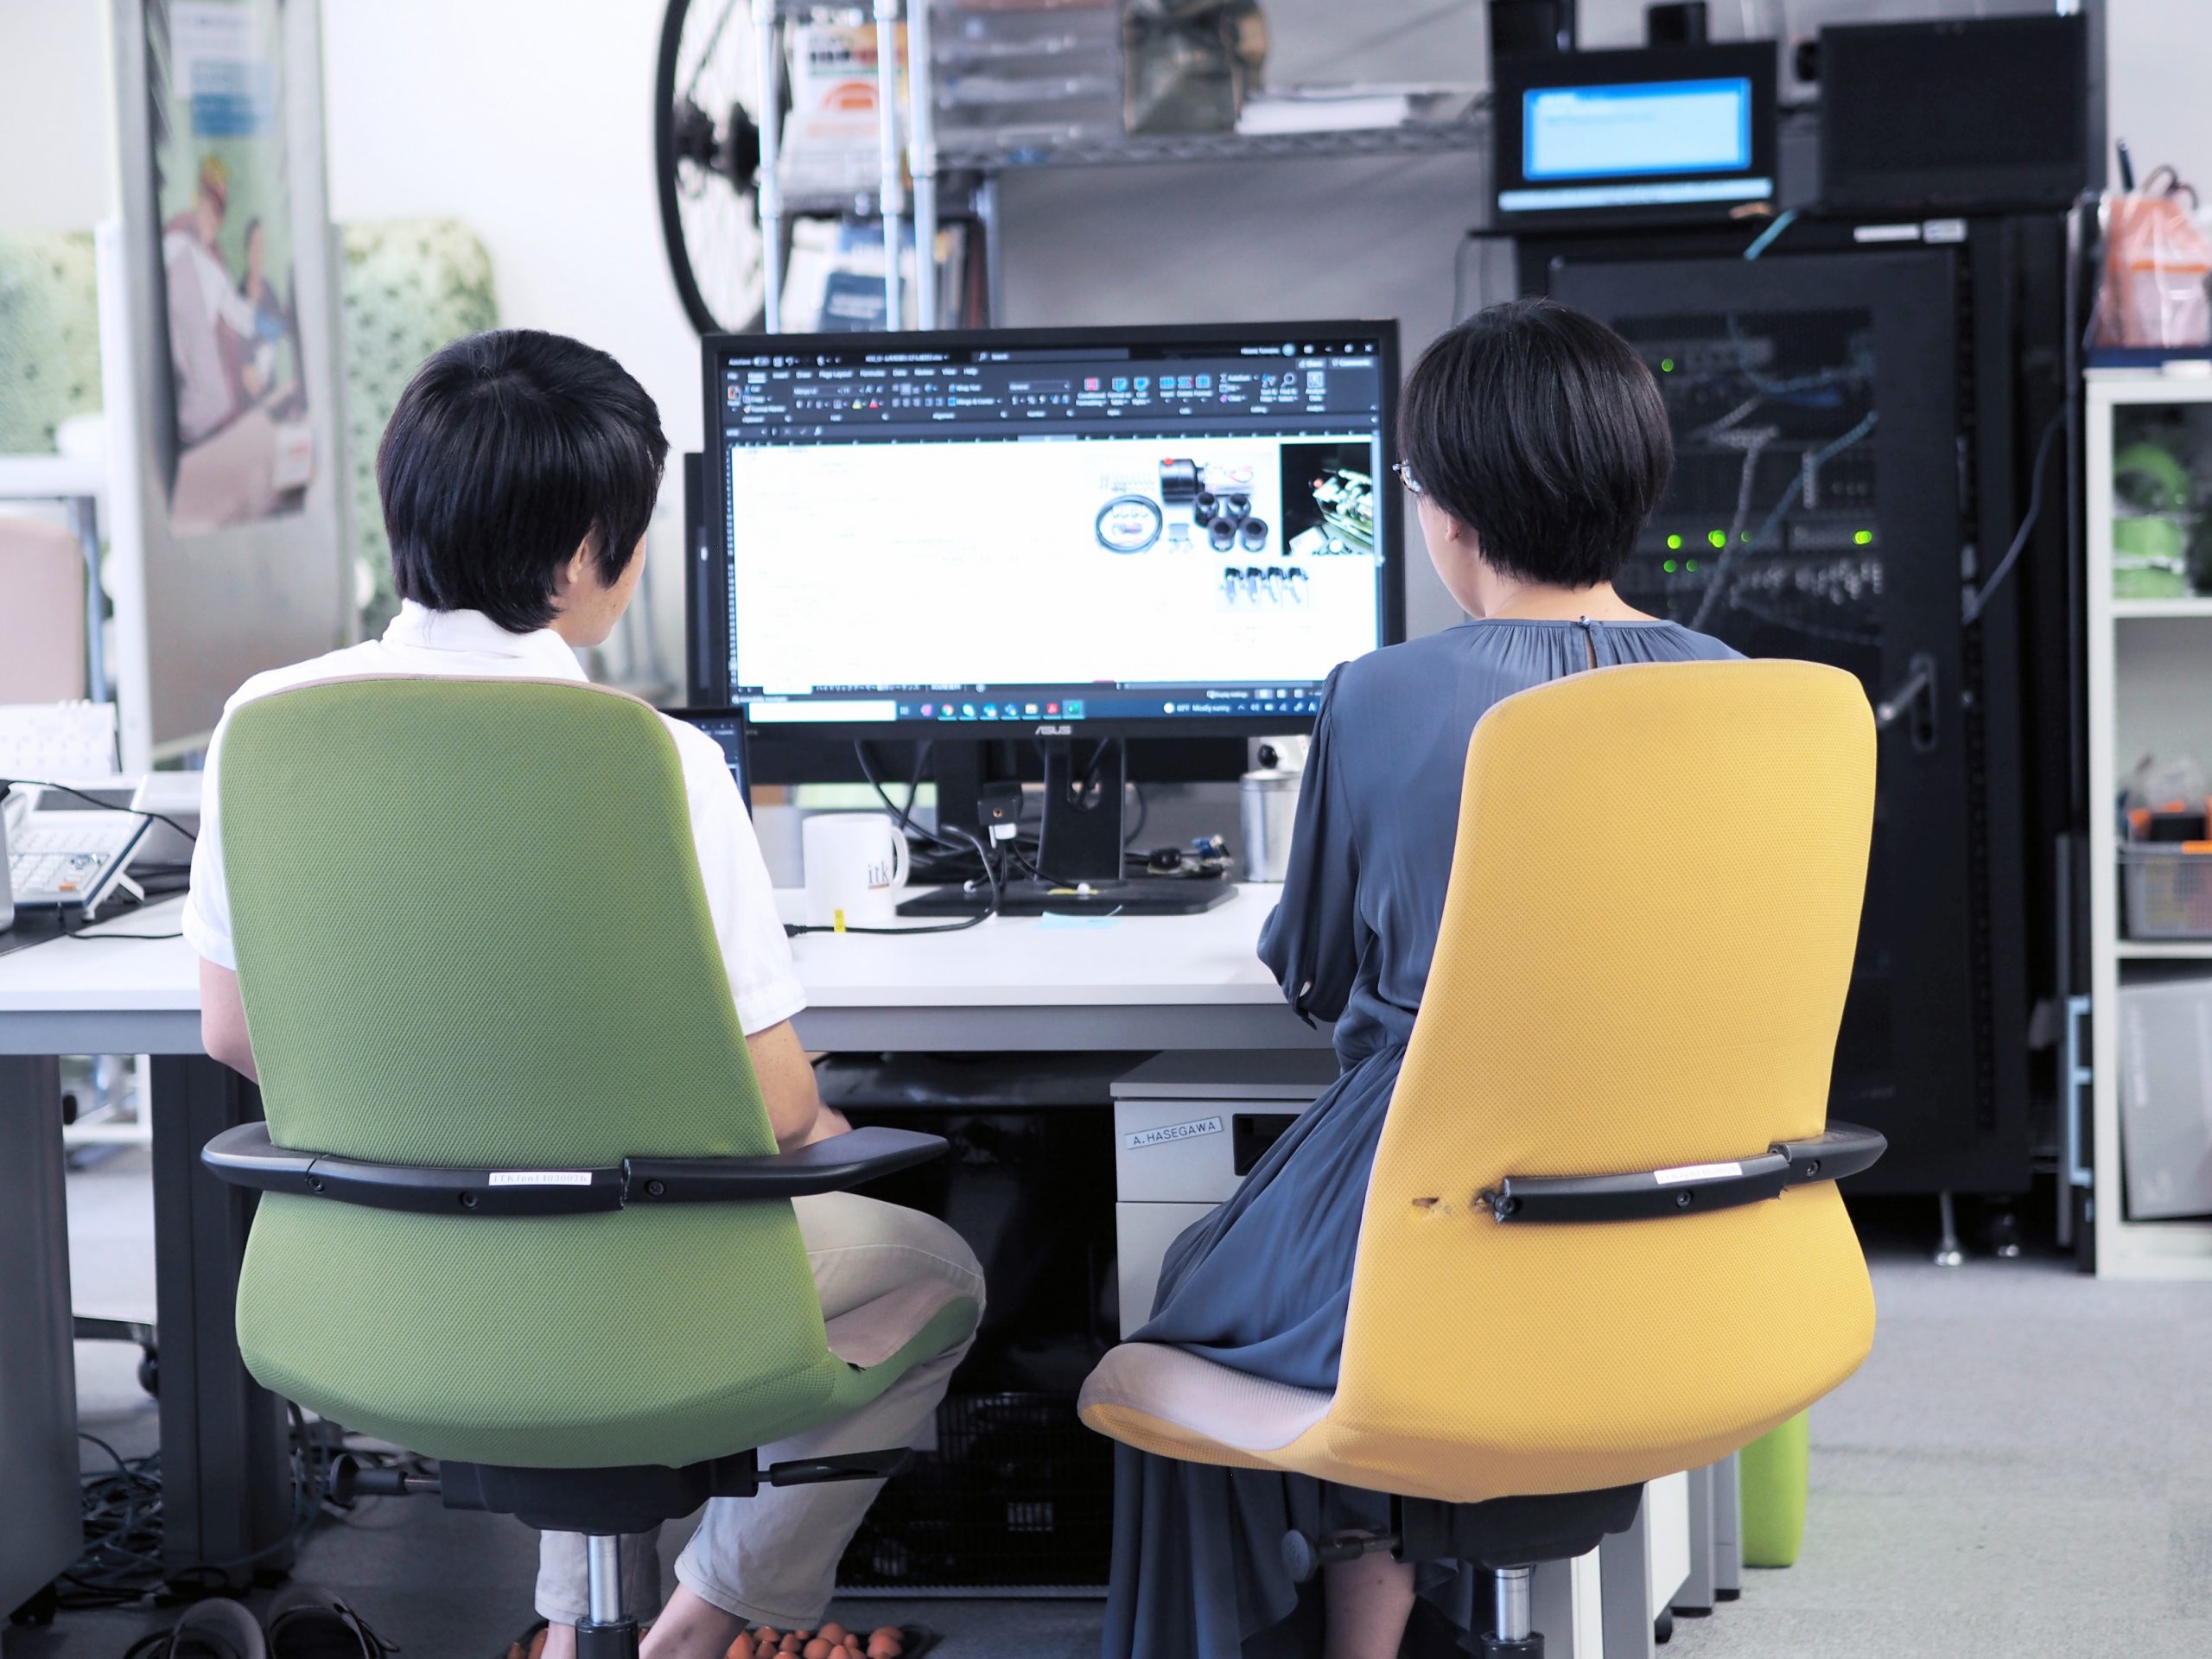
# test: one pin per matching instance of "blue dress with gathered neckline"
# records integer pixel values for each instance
(1262, 1283)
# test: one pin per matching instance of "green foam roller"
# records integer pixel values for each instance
(1776, 1473)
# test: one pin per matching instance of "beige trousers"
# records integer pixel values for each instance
(772, 1559)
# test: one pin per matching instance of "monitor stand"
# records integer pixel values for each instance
(1079, 851)
(1134, 895)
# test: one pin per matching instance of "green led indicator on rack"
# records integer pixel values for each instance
(1666, 365)
(1692, 565)
(1674, 543)
(1717, 537)
(1863, 538)
(1669, 567)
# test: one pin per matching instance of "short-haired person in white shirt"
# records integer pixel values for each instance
(518, 475)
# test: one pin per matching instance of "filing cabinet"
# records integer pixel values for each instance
(1188, 1127)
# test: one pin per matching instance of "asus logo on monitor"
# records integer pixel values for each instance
(1056, 731)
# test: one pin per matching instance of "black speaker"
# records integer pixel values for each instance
(1522, 26)
(1676, 23)
(1972, 114)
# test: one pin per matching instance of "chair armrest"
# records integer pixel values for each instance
(245, 1156)
(832, 1166)
(1844, 1149)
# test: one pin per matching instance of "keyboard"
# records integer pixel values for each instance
(70, 857)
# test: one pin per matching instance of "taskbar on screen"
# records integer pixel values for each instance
(971, 708)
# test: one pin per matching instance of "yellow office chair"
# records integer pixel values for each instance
(1602, 1240)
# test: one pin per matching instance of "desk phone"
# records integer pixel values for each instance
(67, 856)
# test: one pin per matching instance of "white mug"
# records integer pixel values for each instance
(855, 864)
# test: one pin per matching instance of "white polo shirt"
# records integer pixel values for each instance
(468, 644)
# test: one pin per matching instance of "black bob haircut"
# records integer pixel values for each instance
(1541, 430)
(508, 451)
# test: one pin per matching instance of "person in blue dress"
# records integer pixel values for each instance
(1535, 446)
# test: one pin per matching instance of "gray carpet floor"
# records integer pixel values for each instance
(2022, 1468)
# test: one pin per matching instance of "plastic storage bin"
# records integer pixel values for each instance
(2167, 888)
(2166, 1098)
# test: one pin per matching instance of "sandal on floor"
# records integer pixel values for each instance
(305, 1622)
(529, 1645)
(218, 1628)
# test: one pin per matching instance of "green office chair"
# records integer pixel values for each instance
(522, 1210)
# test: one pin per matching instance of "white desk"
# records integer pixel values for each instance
(1138, 983)
(1135, 983)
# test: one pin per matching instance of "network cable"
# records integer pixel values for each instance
(1724, 571)
(121, 1564)
(903, 817)
(1977, 600)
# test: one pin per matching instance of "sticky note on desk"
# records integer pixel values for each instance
(1061, 920)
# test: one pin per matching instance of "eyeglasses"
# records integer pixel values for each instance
(1406, 477)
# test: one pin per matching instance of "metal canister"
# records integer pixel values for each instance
(1269, 797)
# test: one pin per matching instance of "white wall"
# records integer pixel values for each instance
(2155, 54)
(55, 133)
(533, 124)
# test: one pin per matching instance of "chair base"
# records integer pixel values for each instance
(618, 1640)
(628, 1499)
(603, 1503)
(1506, 1537)
(1513, 1531)
(1505, 1532)
(634, 1498)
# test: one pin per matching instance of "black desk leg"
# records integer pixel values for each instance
(38, 1530)
(226, 1483)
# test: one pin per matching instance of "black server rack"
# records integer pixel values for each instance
(1855, 421)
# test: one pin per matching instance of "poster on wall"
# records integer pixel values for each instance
(239, 445)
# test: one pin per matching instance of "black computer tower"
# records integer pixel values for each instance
(1854, 422)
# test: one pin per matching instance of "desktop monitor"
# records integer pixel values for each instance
(1655, 134)
(1069, 536)
(1081, 533)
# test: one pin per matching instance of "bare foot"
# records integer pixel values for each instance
(690, 1628)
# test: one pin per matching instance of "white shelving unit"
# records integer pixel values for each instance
(2150, 674)
(964, 168)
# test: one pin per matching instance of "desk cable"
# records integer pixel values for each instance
(903, 818)
(7, 784)
(121, 1564)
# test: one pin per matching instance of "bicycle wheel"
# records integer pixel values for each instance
(707, 153)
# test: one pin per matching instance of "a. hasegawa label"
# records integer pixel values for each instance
(1167, 1132)
(541, 1178)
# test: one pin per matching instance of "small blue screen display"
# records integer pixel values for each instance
(1651, 128)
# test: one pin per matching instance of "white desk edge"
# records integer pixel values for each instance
(1133, 982)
